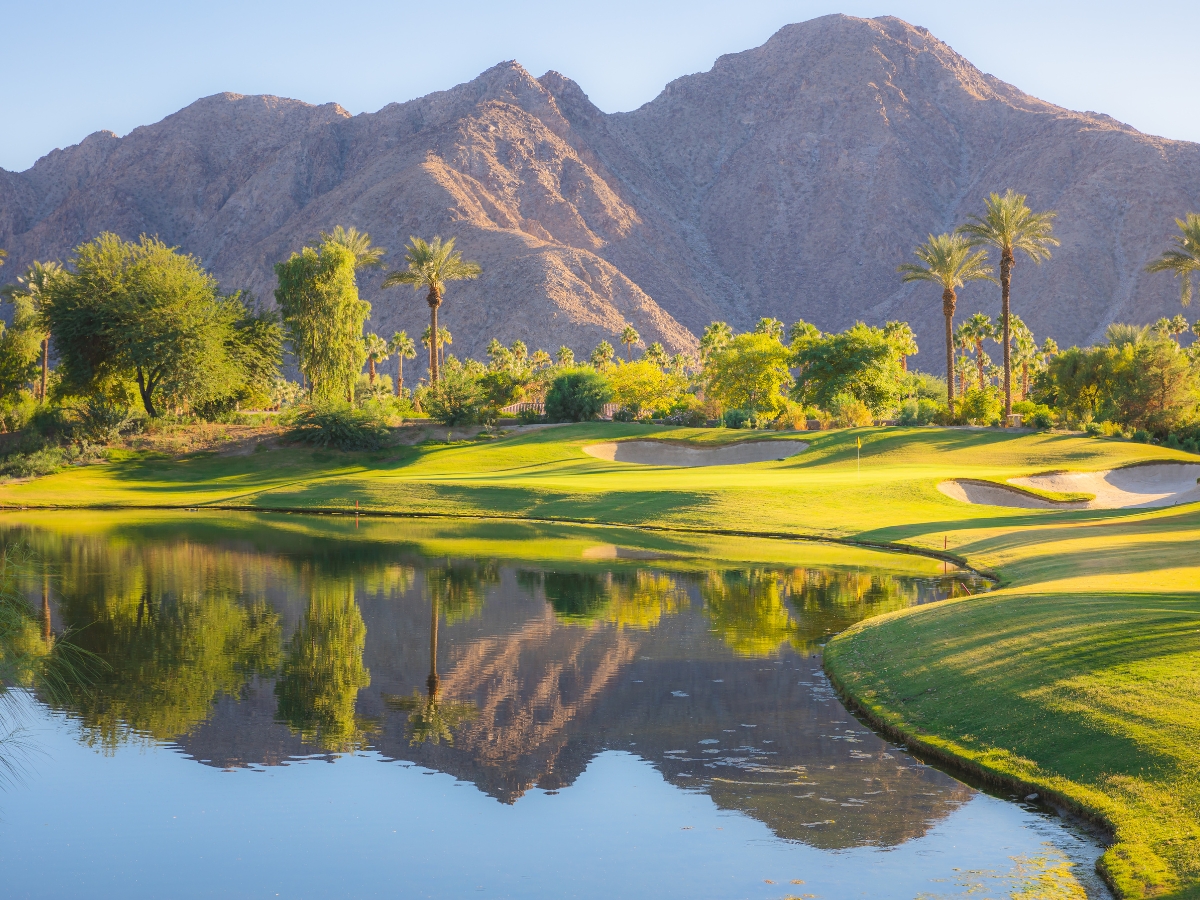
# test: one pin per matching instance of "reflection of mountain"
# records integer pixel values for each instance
(242, 657)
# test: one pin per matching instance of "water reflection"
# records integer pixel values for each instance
(246, 643)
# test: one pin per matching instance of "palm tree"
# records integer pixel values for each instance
(656, 354)
(901, 336)
(1009, 225)
(1024, 351)
(770, 327)
(377, 351)
(445, 339)
(430, 266)
(1118, 334)
(565, 356)
(602, 356)
(436, 356)
(715, 336)
(973, 333)
(404, 348)
(947, 260)
(358, 243)
(38, 285)
(629, 337)
(1183, 260)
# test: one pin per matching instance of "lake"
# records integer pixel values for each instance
(308, 707)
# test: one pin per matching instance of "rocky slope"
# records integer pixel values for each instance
(790, 180)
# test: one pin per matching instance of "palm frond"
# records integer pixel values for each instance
(1183, 260)
(948, 260)
(1009, 225)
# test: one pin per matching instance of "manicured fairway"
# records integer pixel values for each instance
(1078, 678)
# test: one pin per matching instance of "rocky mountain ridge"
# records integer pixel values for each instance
(789, 180)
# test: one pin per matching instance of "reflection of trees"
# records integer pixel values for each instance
(431, 719)
(323, 671)
(625, 599)
(747, 609)
(642, 601)
(828, 601)
(459, 587)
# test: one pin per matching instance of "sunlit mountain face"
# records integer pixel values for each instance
(525, 661)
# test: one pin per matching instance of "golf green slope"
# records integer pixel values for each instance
(1078, 679)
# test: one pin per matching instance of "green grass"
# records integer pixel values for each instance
(1078, 679)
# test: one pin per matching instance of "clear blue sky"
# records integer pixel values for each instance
(71, 68)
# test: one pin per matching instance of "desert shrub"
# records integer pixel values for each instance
(338, 426)
(850, 412)
(1142, 436)
(100, 420)
(457, 399)
(921, 412)
(624, 414)
(792, 417)
(577, 395)
(735, 418)
(981, 406)
(46, 461)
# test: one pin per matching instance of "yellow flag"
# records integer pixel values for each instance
(860, 443)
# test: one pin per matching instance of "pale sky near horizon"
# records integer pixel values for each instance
(72, 68)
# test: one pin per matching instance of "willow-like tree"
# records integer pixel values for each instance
(430, 265)
(1183, 259)
(404, 348)
(629, 337)
(1009, 225)
(949, 261)
(323, 316)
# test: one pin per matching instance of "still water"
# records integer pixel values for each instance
(310, 707)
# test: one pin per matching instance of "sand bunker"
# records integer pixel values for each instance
(1131, 487)
(662, 453)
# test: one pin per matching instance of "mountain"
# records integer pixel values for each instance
(789, 180)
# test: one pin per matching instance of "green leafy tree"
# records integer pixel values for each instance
(948, 261)
(1025, 351)
(378, 350)
(404, 348)
(20, 345)
(748, 373)
(323, 316)
(644, 388)
(145, 313)
(458, 398)
(1182, 260)
(860, 363)
(629, 337)
(430, 266)
(577, 395)
(1010, 226)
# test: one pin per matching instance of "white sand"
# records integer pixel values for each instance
(1158, 484)
(1130, 487)
(662, 453)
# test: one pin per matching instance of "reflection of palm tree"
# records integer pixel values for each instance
(431, 719)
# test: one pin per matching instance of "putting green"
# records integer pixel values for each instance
(1078, 679)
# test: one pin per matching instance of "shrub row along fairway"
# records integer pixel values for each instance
(1078, 678)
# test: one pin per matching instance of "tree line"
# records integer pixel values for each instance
(138, 323)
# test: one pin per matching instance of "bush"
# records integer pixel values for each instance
(850, 412)
(577, 395)
(791, 418)
(624, 414)
(457, 399)
(981, 406)
(338, 426)
(1039, 415)
(921, 412)
(1191, 446)
(1142, 436)
(46, 461)
(735, 418)
(101, 420)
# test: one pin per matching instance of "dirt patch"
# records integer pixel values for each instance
(662, 453)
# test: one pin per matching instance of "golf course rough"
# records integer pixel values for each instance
(1078, 679)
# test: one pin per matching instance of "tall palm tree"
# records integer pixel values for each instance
(629, 337)
(948, 261)
(430, 266)
(38, 285)
(1024, 351)
(770, 327)
(565, 356)
(358, 243)
(404, 348)
(378, 350)
(715, 336)
(445, 339)
(1182, 260)
(602, 356)
(1009, 225)
(974, 332)
(657, 355)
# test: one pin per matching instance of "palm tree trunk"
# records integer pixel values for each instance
(371, 370)
(399, 373)
(979, 360)
(432, 682)
(46, 608)
(948, 303)
(1006, 261)
(1025, 379)
(434, 301)
(45, 365)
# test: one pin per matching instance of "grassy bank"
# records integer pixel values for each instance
(1078, 678)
